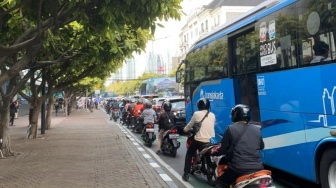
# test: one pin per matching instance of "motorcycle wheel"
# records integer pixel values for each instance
(328, 168)
(149, 144)
(173, 152)
(139, 130)
(211, 172)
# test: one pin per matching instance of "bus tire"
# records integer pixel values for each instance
(328, 168)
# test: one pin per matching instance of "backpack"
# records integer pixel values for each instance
(168, 122)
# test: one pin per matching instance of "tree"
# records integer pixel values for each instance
(31, 29)
(129, 87)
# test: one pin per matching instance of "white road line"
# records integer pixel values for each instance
(155, 165)
(140, 149)
(147, 156)
(165, 177)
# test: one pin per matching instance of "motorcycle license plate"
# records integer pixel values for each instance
(150, 130)
(171, 136)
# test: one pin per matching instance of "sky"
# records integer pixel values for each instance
(167, 38)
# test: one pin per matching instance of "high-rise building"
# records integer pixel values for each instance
(126, 72)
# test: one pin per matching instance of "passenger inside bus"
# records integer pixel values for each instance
(321, 50)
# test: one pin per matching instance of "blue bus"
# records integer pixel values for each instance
(278, 58)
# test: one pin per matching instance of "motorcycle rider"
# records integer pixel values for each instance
(139, 107)
(124, 110)
(131, 106)
(114, 105)
(148, 116)
(163, 122)
(203, 136)
(244, 157)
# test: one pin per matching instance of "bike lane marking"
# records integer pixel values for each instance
(157, 168)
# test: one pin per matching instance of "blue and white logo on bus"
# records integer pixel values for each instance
(327, 99)
(213, 95)
(261, 85)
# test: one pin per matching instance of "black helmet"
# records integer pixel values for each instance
(203, 104)
(241, 112)
(167, 106)
(148, 105)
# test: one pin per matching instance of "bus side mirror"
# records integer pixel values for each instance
(178, 76)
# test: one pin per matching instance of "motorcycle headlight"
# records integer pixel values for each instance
(175, 113)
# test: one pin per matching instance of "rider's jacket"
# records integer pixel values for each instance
(148, 115)
(207, 129)
(130, 107)
(246, 154)
(137, 108)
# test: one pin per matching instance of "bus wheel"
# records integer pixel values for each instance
(328, 169)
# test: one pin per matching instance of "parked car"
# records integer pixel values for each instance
(178, 109)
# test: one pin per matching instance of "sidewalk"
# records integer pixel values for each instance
(82, 150)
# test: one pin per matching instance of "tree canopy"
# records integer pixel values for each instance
(65, 41)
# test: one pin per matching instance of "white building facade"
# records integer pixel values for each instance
(207, 18)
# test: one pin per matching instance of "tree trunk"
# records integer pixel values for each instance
(4, 130)
(50, 108)
(34, 122)
(66, 102)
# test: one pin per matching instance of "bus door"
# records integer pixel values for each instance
(246, 93)
(243, 68)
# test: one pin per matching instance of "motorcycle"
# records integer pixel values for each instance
(129, 120)
(115, 114)
(259, 179)
(201, 161)
(169, 141)
(138, 126)
(149, 136)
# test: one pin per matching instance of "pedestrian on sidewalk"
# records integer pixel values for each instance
(17, 105)
(12, 111)
(57, 105)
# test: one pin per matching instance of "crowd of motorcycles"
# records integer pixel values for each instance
(205, 161)
(170, 142)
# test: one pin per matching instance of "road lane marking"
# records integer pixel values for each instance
(164, 176)
(155, 165)
(140, 149)
(146, 156)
